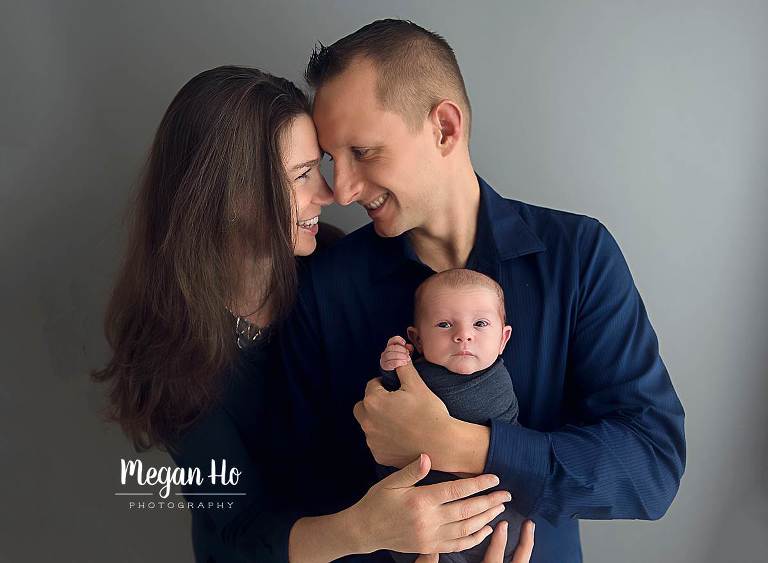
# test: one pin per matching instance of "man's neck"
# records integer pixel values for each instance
(446, 241)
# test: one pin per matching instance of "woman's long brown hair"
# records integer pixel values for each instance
(214, 182)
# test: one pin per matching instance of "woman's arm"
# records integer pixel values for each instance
(325, 538)
(395, 514)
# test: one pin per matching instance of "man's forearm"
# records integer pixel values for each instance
(463, 449)
(324, 538)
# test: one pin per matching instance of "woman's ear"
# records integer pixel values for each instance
(505, 334)
(413, 336)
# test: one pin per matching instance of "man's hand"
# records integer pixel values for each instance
(495, 551)
(396, 354)
(401, 424)
(397, 515)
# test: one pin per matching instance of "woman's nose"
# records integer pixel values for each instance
(323, 195)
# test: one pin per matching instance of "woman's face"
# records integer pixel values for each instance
(301, 158)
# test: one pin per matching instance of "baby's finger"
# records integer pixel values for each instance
(390, 365)
(398, 359)
(397, 353)
(396, 340)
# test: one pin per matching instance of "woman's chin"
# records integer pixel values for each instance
(305, 246)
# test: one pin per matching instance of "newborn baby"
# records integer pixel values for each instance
(460, 332)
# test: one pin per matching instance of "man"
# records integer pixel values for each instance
(602, 428)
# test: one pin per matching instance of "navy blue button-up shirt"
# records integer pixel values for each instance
(602, 427)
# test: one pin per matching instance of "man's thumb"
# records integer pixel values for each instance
(411, 474)
(408, 376)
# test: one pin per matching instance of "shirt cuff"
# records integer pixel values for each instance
(520, 458)
(267, 540)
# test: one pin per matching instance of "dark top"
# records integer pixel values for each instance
(245, 428)
(602, 427)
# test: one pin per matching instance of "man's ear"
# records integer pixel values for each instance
(413, 336)
(505, 334)
(448, 123)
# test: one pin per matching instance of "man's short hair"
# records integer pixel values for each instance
(416, 68)
(457, 278)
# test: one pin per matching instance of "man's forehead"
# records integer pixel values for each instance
(347, 107)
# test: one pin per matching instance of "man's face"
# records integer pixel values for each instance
(378, 162)
(460, 329)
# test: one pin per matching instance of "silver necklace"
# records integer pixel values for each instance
(246, 332)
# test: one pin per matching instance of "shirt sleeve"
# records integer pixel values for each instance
(257, 527)
(625, 455)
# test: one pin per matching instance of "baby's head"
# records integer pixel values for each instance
(459, 321)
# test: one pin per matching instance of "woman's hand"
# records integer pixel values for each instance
(495, 551)
(397, 515)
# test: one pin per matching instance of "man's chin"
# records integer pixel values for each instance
(387, 230)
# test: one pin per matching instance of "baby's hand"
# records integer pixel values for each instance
(396, 354)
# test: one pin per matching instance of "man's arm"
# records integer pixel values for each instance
(626, 455)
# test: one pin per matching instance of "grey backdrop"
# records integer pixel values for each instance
(650, 116)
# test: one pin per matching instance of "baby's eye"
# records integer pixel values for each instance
(481, 323)
(443, 324)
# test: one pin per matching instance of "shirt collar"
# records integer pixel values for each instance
(502, 234)
(500, 219)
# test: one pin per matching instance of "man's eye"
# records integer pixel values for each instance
(481, 323)
(360, 153)
(443, 324)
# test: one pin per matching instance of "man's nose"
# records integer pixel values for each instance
(347, 185)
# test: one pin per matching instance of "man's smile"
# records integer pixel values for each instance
(376, 203)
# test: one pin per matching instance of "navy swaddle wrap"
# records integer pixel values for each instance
(478, 398)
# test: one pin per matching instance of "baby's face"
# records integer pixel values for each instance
(460, 329)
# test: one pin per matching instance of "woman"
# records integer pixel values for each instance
(232, 192)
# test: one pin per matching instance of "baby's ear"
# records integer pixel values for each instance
(506, 332)
(413, 336)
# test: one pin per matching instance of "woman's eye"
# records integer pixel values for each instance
(305, 175)
(443, 324)
(481, 323)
